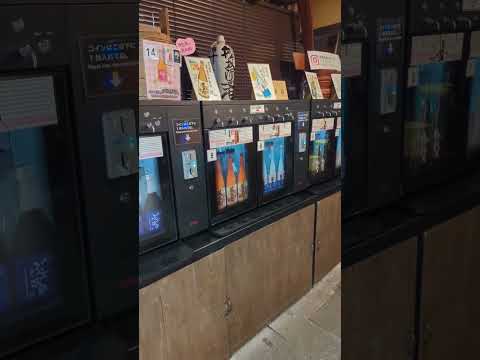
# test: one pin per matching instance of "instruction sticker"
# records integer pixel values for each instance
(271, 131)
(412, 76)
(452, 47)
(426, 49)
(227, 137)
(150, 147)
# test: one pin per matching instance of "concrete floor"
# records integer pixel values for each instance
(309, 330)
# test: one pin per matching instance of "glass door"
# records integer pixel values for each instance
(43, 286)
(474, 109)
(275, 149)
(230, 172)
(156, 215)
(434, 139)
(321, 165)
(429, 128)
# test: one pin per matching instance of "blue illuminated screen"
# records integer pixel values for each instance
(151, 212)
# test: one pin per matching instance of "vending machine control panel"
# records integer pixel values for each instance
(120, 135)
(183, 122)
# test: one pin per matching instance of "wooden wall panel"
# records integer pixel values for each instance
(446, 266)
(266, 272)
(378, 305)
(328, 247)
(182, 316)
(473, 284)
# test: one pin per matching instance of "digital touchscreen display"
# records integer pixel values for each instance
(28, 269)
(151, 210)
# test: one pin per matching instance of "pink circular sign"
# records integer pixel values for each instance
(186, 46)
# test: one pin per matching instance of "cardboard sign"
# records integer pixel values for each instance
(186, 46)
(337, 83)
(109, 64)
(161, 64)
(320, 60)
(299, 60)
(314, 85)
(262, 82)
(352, 60)
(203, 79)
(471, 5)
(281, 92)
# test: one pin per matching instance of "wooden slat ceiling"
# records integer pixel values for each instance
(257, 33)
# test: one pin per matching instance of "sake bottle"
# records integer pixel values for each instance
(242, 181)
(220, 186)
(314, 160)
(223, 62)
(162, 70)
(266, 178)
(232, 190)
(272, 174)
(281, 167)
(203, 88)
(154, 218)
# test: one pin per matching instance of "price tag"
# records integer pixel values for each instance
(211, 155)
(260, 146)
(151, 52)
(412, 76)
(470, 68)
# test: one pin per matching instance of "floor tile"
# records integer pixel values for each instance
(329, 316)
(309, 330)
(306, 339)
(267, 345)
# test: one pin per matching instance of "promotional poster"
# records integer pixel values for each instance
(203, 79)
(262, 82)
(162, 70)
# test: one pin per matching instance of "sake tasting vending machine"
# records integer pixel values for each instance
(156, 210)
(299, 112)
(231, 159)
(172, 173)
(322, 151)
(275, 149)
(473, 95)
(386, 45)
(434, 129)
(354, 55)
(43, 272)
